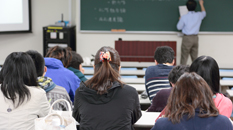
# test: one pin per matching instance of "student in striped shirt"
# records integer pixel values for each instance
(156, 77)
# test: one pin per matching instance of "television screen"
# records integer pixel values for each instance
(15, 16)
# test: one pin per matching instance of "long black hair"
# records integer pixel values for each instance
(208, 69)
(18, 71)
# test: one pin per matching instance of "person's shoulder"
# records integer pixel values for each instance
(128, 87)
(71, 74)
(200, 12)
(220, 98)
(163, 122)
(59, 88)
(222, 120)
(151, 68)
(36, 89)
(37, 93)
(164, 91)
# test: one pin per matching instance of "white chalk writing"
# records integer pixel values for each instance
(112, 10)
(117, 19)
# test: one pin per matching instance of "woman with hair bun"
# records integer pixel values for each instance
(104, 102)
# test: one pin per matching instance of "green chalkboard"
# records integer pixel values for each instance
(151, 15)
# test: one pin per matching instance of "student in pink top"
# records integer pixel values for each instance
(208, 69)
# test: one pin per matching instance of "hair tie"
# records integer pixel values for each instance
(105, 56)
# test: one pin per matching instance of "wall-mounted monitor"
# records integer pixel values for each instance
(15, 16)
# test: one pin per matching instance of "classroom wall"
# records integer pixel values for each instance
(44, 12)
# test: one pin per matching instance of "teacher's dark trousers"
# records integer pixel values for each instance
(189, 46)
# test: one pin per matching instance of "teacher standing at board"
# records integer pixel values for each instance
(190, 25)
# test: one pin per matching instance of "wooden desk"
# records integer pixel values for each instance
(147, 119)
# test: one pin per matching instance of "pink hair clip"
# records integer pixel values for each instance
(105, 56)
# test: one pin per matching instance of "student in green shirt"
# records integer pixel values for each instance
(76, 66)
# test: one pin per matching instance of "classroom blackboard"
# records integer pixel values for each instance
(150, 15)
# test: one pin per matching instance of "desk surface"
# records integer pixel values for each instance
(228, 74)
(122, 72)
(133, 80)
(140, 72)
(130, 64)
(147, 119)
(226, 82)
(230, 92)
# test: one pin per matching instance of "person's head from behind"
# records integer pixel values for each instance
(76, 61)
(60, 53)
(106, 70)
(164, 54)
(18, 71)
(191, 5)
(176, 72)
(208, 69)
(39, 62)
(190, 93)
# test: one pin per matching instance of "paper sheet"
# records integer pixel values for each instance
(183, 10)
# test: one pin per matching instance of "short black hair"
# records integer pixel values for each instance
(191, 5)
(176, 72)
(164, 54)
(76, 60)
(38, 60)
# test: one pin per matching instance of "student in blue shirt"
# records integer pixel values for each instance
(57, 60)
(190, 26)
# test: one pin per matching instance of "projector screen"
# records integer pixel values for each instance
(15, 16)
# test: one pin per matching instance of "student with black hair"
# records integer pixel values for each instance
(75, 65)
(160, 99)
(53, 91)
(190, 26)
(22, 101)
(208, 69)
(104, 102)
(156, 77)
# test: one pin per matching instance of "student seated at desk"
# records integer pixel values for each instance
(53, 92)
(160, 99)
(191, 107)
(57, 60)
(208, 69)
(156, 77)
(104, 102)
(75, 65)
(22, 101)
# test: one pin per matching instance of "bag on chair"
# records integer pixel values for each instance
(57, 120)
